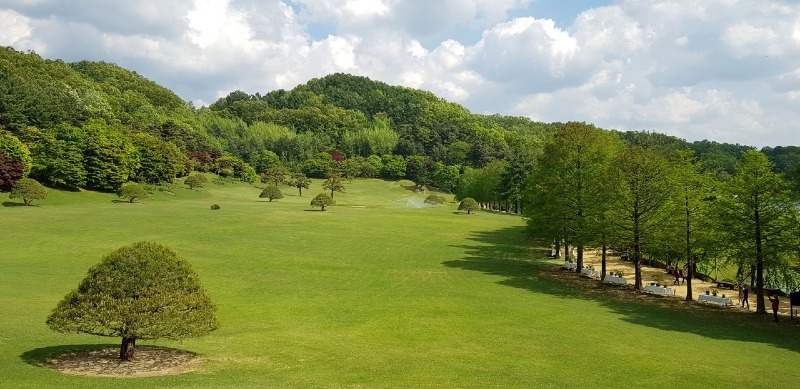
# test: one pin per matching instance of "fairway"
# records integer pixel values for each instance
(372, 293)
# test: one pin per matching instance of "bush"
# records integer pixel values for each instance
(435, 199)
(214, 207)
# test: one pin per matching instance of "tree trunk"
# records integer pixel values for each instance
(688, 250)
(579, 262)
(603, 260)
(127, 348)
(689, 276)
(760, 306)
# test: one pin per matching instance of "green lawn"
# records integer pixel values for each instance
(371, 293)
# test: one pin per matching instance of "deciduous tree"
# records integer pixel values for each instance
(300, 181)
(333, 183)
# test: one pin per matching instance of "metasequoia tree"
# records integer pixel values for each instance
(639, 207)
(142, 291)
(757, 218)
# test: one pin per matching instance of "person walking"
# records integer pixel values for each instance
(677, 280)
(741, 294)
(776, 303)
(745, 293)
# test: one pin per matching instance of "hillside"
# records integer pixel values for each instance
(77, 119)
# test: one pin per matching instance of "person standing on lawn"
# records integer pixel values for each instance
(773, 298)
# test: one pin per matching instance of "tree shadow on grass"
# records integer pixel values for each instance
(38, 357)
(12, 204)
(504, 253)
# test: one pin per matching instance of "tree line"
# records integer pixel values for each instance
(592, 188)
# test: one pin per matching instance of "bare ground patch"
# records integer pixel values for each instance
(147, 362)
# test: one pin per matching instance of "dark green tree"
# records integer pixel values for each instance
(271, 192)
(28, 190)
(159, 161)
(322, 200)
(144, 291)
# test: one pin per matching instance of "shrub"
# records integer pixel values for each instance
(435, 199)
(214, 207)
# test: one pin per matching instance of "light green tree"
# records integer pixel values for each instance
(333, 183)
(642, 178)
(300, 181)
(572, 175)
(28, 190)
(322, 200)
(195, 180)
(758, 221)
(143, 291)
(271, 192)
(132, 191)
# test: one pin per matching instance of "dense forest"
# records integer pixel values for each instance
(97, 126)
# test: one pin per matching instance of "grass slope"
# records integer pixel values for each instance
(372, 293)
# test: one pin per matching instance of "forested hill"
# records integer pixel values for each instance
(96, 125)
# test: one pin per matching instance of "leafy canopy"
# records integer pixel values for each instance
(141, 291)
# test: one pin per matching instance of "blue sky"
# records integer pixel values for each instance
(723, 70)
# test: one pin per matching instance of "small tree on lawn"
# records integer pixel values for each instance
(132, 191)
(271, 192)
(322, 200)
(468, 204)
(274, 176)
(300, 181)
(28, 190)
(142, 291)
(333, 183)
(195, 181)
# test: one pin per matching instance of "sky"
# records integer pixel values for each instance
(722, 70)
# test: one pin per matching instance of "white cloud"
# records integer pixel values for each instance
(16, 27)
(720, 69)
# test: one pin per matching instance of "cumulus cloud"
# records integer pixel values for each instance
(719, 69)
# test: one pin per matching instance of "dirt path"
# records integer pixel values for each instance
(649, 274)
